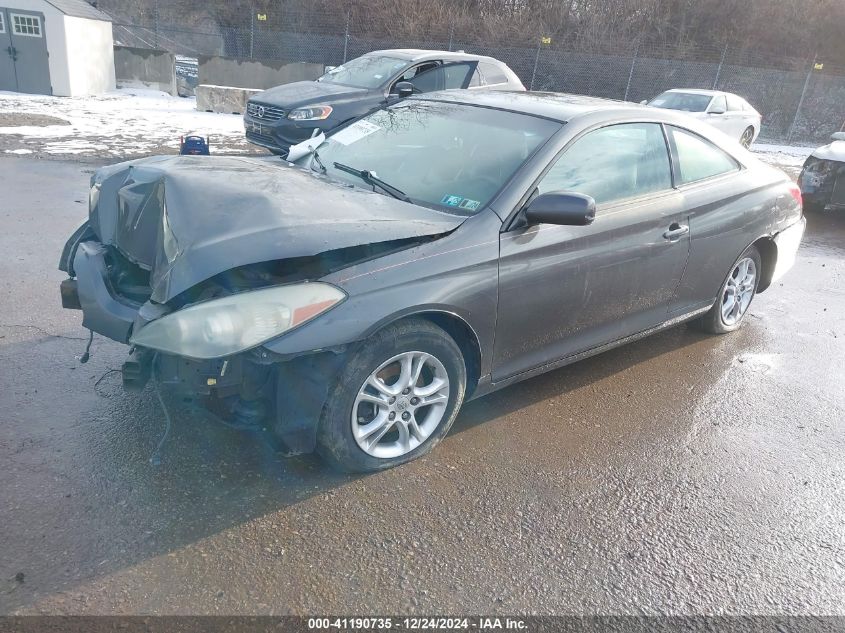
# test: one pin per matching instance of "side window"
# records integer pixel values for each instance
(613, 163)
(476, 80)
(445, 77)
(734, 103)
(718, 103)
(699, 159)
(414, 71)
(492, 74)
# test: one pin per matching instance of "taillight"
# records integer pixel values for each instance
(795, 192)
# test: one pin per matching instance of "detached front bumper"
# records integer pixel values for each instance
(252, 389)
(102, 311)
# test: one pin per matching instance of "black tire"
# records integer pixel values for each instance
(747, 137)
(335, 441)
(713, 322)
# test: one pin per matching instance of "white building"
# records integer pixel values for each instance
(59, 47)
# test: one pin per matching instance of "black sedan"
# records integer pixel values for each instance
(431, 253)
(286, 115)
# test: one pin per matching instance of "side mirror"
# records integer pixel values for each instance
(404, 89)
(561, 207)
(837, 136)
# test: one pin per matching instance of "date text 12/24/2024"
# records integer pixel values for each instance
(416, 624)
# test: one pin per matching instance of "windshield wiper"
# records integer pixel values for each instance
(371, 179)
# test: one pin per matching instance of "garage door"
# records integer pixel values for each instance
(24, 65)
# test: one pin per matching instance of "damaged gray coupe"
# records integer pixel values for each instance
(428, 254)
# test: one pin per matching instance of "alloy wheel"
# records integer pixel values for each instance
(739, 290)
(400, 404)
(747, 136)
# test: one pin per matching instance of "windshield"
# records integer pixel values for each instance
(369, 71)
(438, 154)
(688, 102)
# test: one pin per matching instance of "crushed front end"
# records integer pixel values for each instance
(822, 183)
(198, 264)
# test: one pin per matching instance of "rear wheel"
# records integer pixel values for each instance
(394, 400)
(738, 290)
(747, 137)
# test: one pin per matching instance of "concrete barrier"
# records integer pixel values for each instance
(224, 99)
(254, 73)
(145, 68)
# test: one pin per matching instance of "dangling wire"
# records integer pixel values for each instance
(155, 458)
(84, 358)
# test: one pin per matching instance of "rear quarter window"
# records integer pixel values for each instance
(698, 158)
(492, 74)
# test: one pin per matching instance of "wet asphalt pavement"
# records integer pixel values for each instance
(683, 473)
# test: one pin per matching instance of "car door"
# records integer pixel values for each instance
(715, 193)
(738, 117)
(717, 115)
(568, 289)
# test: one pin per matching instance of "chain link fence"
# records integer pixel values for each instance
(801, 100)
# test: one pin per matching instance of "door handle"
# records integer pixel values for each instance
(13, 53)
(676, 231)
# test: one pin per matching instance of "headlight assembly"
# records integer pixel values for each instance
(314, 113)
(232, 324)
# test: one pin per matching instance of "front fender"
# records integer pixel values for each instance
(456, 274)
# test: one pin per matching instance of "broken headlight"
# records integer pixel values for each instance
(232, 324)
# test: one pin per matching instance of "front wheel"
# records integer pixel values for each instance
(738, 290)
(396, 398)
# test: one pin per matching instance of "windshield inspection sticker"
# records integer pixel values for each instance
(460, 202)
(355, 132)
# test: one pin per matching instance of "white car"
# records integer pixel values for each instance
(725, 111)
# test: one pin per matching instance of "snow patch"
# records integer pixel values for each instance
(119, 122)
(782, 155)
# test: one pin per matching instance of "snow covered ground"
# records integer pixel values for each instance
(121, 123)
(129, 123)
(789, 157)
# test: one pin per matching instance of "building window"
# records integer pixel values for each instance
(2, 23)
(29, 25)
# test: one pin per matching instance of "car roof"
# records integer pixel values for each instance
(421, 55)
(698, 91)
(551, 105)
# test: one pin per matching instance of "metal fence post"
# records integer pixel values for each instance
(801, 100)
(631, 73)
(155, 25)
(346, 38)
(719, 69)
(451, 35)
(252, 33)
(536, 61)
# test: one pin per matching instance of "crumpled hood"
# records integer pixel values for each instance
(300, 93)
(831, 151)
(188, 218)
